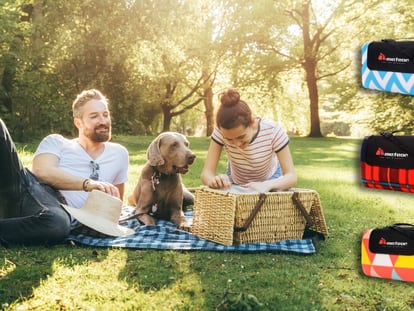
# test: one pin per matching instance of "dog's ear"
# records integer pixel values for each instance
(154, 156)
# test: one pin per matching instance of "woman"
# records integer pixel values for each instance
(257, 149)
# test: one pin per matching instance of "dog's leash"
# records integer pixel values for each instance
(135, 216)
(153, 210)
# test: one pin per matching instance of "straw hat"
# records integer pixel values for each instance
(101, 212)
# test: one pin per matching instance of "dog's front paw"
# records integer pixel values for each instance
(185, 227)
(146, 219)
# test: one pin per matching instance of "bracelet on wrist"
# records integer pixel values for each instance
(85, 184)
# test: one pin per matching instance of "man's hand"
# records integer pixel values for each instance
(102, 186)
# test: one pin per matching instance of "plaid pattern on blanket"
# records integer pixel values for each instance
(165, 236)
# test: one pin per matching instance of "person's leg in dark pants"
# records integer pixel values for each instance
(30, 211)
(11, 175)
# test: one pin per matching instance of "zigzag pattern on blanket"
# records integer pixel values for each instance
(395, 82)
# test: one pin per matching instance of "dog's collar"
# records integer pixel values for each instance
(155, 178)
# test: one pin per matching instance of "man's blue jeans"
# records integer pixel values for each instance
(30, 210)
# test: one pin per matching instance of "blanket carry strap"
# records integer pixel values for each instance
(262, 198)
(302, 209)
(398, 227)
(394, 139)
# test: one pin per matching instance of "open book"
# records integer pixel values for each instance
(239, 189)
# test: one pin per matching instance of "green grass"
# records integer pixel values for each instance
(69, 277)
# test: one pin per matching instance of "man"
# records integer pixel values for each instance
(64, 171)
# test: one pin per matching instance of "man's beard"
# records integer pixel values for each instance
(99, 137)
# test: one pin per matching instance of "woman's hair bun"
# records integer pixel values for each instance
(230, 97)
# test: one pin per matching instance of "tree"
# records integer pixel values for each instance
(15, 31)
(315, 35)
(92, 49)
(306, 34)
(174, 57)
(168, 58)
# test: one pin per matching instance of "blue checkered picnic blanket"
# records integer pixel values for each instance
(165, 235)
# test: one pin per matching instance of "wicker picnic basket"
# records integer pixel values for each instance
(228, 218)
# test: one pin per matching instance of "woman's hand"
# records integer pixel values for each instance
(221, 181)
(262, 186)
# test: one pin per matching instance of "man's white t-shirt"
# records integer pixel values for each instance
(113, 163)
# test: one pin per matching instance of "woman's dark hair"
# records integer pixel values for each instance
(233, 111)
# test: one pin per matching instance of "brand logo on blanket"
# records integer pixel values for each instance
(384, 242)
(395, 60)
(394, 155)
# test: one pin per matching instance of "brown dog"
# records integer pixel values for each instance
(159, 191)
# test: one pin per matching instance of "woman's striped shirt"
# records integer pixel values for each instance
(258, 160)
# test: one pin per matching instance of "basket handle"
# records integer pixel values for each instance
(299, 205)
(262, 198)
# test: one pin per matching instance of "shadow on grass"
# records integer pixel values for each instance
(331, 279)
(349, 210)
(199, 280)
(151, 270)
(26, 268)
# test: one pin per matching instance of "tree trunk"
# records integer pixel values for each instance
(166, 107)
(311, 82)
(166, 111)
(309, 65)
(37, 19)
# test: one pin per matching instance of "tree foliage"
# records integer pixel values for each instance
(161, 63)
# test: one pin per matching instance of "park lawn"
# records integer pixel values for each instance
(72, 277)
